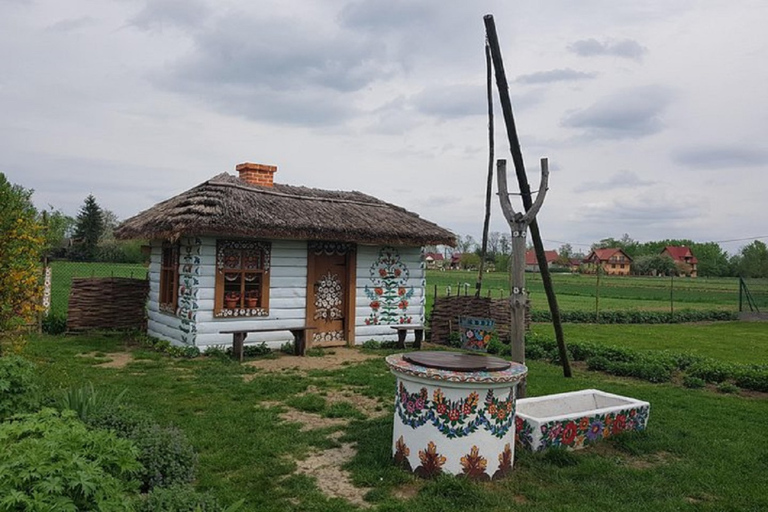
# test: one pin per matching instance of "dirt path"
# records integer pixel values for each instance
(334, 358)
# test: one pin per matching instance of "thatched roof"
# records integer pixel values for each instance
(227, 206)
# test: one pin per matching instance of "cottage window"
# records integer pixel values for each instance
(613, 265)
(169, 278)
(242, 278)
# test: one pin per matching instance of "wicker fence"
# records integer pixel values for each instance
(107, 303)
(447, 310)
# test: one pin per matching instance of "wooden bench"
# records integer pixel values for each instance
(402, 331)
(299, 338)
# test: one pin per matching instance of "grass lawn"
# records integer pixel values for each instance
(737, 342)
(576, 292)
(702, 450)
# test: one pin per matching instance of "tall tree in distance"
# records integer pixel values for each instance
(89, 228)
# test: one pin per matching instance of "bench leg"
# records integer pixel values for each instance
(418, 336)
(238, 340)
(401, 338)
(299, 342)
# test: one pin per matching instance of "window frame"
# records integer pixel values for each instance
(223, 246)
(169, 278)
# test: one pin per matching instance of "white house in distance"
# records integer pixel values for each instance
(241, 251)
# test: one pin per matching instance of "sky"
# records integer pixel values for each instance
(653, 114)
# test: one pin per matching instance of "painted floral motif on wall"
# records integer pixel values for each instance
(431, 462)
(328, 298)
(389, 293)
(505, 463)
(455, 418)
(189, 285)
(581, 432)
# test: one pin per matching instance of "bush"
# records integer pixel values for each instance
(253, 350)
(54, 323)
(638, 317)
(287, 348)
(17, 385)
(711, 370)
(752, 377)
(727, 387)
(371, 344)
(692, 382)
(495, 346)
(166, 454)
(51, 461)
(182, 498)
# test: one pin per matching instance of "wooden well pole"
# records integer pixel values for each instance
(525, 189)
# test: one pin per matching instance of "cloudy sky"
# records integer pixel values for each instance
(653, 114)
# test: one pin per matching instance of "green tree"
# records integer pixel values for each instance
(21, 246)
(88, 230)
(58, 228)
(654, 264)
(754, 260)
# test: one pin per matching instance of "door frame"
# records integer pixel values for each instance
(350, 294)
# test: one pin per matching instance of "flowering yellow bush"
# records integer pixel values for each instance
(21, 246)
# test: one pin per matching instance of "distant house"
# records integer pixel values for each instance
(684, 259)
(612, 261)
(532, 264)
(455, 261)
(434, 260)
(574, 264)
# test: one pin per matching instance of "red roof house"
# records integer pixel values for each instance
(684, 259)
(532, 265)
(613, 261)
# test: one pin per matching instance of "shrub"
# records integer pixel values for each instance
(17, 385)
(51, 461)
(287, 348)
(598, 363)
(183, 498)
(54, 323)
(752, 377)
(711, 370)
(371, 344)
(166, 454)
(253, 350)
(692, 382)
(495, 346)
(637, 317)
(727, 387)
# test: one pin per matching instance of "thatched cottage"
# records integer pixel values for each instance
(242, 251)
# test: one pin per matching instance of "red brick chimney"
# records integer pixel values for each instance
(257, 174)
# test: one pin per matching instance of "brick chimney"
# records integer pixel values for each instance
(257, 174)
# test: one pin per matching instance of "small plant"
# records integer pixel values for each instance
(454, 339)
(728, 388)
(287, 347)
(371, 344)
(233, 296)
(692, 382)
(496, 346)
(17, 385)
(183, 498)
(86, 401)
(54, 323)
(316, 352)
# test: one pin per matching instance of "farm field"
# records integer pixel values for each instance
(576, 292)
(734, 342)
(262, 426)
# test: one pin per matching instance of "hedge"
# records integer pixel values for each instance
(638, 317)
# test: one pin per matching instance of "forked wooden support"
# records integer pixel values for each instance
(519, 222)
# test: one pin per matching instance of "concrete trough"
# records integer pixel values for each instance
(576, 419)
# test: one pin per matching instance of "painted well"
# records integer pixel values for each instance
(576, 419)
(457, 423)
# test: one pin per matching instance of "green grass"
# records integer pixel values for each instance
(576, 292)
(703, 450)
(736, 342)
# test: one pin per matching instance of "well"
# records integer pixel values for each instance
(454, 413)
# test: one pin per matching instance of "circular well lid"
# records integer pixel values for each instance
(457, 361)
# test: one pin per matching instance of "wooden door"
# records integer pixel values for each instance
(329, 296)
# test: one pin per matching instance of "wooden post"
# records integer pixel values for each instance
(525, 189)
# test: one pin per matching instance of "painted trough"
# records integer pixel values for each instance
(576, 419)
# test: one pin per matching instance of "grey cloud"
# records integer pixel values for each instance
(626, 48)
(158, 14)
(629, 113)
(642, 212)
(391, 14)
(452, 101)
(554, 75)
(619, 180)
(73, 24)
(720, 157)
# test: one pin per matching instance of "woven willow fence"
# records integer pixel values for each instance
(447, 310)
(107, 303)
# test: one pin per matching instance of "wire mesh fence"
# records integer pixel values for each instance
(753, 295)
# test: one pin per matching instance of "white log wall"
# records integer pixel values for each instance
(194, 323)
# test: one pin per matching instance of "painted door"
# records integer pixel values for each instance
(329, 295)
